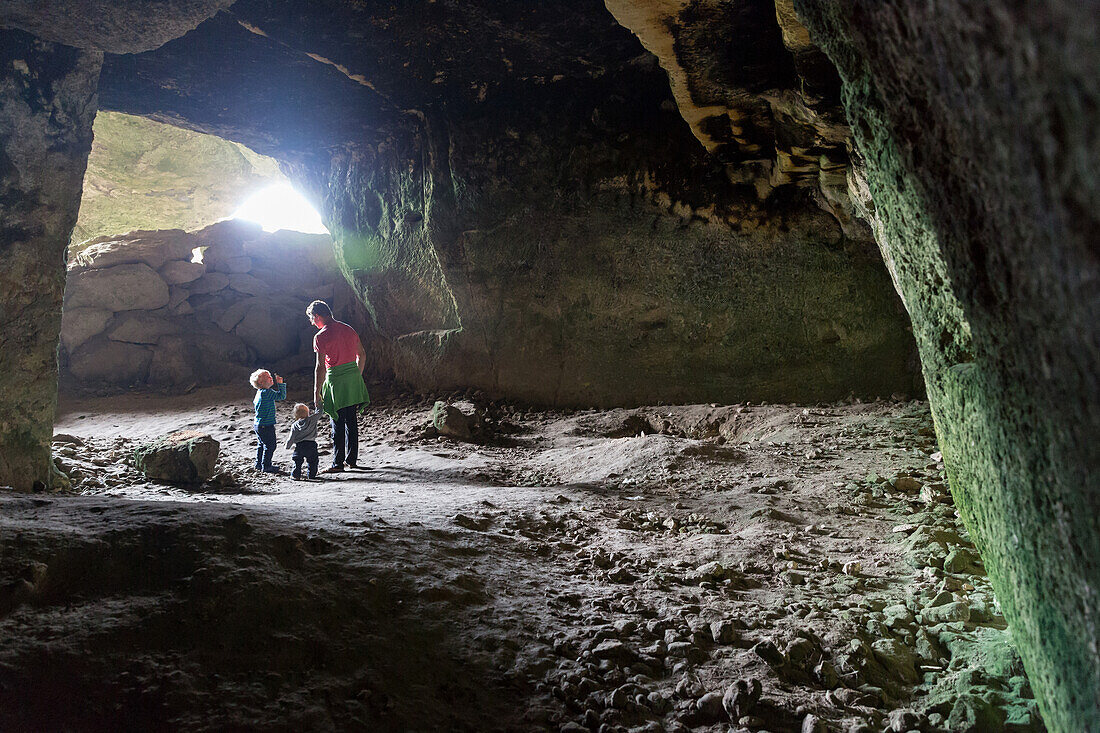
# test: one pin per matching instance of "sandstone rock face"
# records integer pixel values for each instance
(977, 184)
(211, 282)
(177, 363)
(120, 288)
(185, 457)
(47, 102)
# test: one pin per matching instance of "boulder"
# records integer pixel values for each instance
(229, 319)
(269, 331)
(231, 265)
(151, 248)
(140, 327)
(947, 613)
(296, 363)
(211, 282)
(178, 272)
(175, 362)
(176, 296)
(248, 285)
(451, 421)
(80, 324)
(228, 236)
(216, 345)
(103, 361)
(186, 457)
(121, 288)
(897, 658)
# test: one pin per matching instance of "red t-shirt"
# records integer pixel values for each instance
(337, 342)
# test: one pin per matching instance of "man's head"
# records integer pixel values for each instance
(261, 379)
(301, 411)
(319, 313)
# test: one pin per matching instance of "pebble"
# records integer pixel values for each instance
(907, 484)
(741, 697)
(615, 651)
(813, 724)
(723, 632)
(767, 651)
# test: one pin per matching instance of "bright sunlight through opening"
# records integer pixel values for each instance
(281, 207)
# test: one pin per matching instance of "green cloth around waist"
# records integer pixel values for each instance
(343, 387)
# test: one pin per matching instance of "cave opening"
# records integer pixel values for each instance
(191, 264)
(666, 426)
(280, 206)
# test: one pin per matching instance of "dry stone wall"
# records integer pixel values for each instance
(172, 309)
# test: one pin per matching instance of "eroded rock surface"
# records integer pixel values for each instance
(974, 123)
(47, 102)
(532, 216)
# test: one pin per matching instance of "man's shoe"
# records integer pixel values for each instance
(274, 470)
(334, 469)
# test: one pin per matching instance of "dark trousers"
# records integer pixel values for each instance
(265, 449)
(345, 436)
(305, 450)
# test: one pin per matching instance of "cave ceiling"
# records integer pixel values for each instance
(293, 78)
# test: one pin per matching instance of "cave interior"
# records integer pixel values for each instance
(734, 365)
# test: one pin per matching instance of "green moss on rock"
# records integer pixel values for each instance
(958, 112)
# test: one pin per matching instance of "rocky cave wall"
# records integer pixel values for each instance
(47, 104)
(978, 127)
(530, 215)
(141, 312)
(560, 253)
(48, 100)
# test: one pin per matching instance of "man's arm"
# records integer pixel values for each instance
(318, 379)
(360, 357)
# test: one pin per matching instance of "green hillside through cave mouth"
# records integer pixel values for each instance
(150, 175)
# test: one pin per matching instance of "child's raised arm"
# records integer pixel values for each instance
(280, 389)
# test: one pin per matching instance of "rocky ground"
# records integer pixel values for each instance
(762, 567)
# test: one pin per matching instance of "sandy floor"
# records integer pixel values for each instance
(593, 570)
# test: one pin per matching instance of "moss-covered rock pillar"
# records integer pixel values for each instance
(977, 123)
(47, 104)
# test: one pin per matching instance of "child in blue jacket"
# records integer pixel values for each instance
(269, 390)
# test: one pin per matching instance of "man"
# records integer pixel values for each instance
(338, 388)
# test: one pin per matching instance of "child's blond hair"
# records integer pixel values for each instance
(301, 410)
(254, 380)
